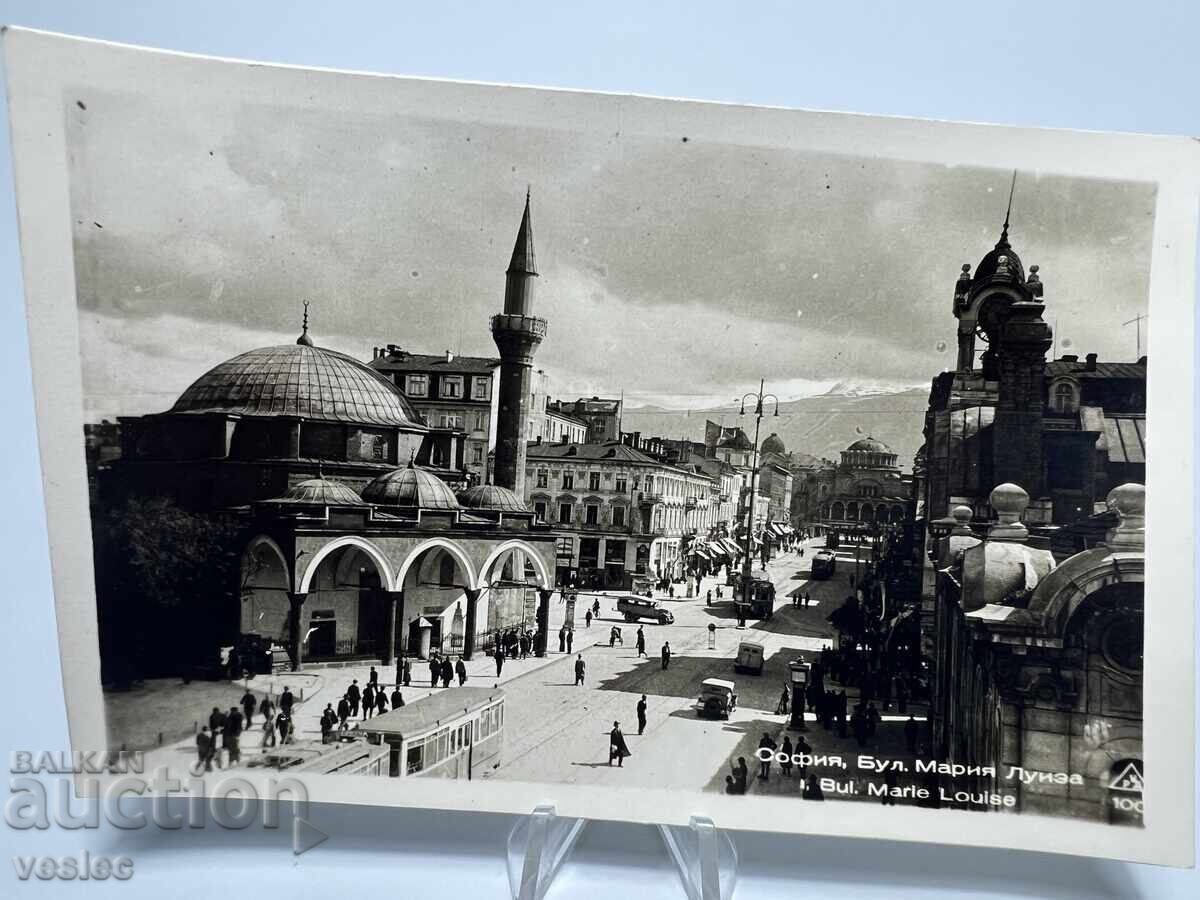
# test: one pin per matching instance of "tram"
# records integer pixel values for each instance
(453, 733)
(824, 564)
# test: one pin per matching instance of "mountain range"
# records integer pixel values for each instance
(821, 426)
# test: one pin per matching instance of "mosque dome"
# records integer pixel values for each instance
(321, 491)
(491, 497)
(774, 444)
(410, 487)
(302, 381)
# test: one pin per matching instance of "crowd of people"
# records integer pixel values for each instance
(219, 742)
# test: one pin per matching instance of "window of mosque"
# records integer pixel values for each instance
(319, 441)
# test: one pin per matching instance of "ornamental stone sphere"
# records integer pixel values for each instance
(1128, 501)
(1009, 501)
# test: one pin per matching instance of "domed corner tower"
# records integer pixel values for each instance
(517, 333)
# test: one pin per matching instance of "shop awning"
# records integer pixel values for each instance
(776, 529)
(730, 547)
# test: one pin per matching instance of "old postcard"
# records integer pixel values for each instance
(466, 446)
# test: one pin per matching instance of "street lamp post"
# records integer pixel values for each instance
(747, 561)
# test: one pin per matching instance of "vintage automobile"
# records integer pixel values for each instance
(749, 658)
(718, 698)
(634, 608)
(824, 564)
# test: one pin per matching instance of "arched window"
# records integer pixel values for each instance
(1064, 397)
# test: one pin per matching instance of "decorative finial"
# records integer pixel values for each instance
(1008, 213)
(528, 188)
(304, 339)
(411, 457)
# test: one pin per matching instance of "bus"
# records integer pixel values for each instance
(824, 564)
(451, 734)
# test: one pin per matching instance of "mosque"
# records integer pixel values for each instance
(355, 530)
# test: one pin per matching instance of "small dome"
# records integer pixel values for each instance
(774, 444)
(1000, 262)
(322, 491)
(411, 487)
(869, 445)
(493, 497)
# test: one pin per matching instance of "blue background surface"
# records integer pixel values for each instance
(1098, 65)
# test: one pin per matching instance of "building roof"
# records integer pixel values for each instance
(610, 450)
(410, 487)
(734, 439)
(493, 497)
(1125, 436)
(404, 361)
(320, 491)
(1078, 369)
(869, 445)
(302, 381)
(774, 444)
(990, 267)
(428, 712)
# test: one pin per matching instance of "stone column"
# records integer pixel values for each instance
(471, 623)
(543, 622)
(295, 629)
(391, 600)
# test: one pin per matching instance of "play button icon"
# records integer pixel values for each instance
(305, 836)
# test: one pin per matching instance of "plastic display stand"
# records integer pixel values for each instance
(538, 845)
(705, 858)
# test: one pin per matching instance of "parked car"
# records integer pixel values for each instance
(634, 608)
(749, 658)
(718, 698)
(824, 564)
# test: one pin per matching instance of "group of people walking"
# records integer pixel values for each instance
(220, 741)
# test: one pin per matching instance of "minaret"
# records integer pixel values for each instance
(517, 333)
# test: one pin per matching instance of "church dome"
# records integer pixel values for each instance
(321, 491)
(869, 445)
(774, 444)
(411, 487)
(302, 381)
(868, 453)
(492, 497)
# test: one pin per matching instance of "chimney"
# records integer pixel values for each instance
(449, 357)
(1090, 366)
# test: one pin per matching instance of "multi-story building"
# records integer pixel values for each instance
(617, 511)
(448, 391)
(603, 417)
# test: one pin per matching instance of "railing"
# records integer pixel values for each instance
(511, 322)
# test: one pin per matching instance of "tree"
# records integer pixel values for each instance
(167, 584)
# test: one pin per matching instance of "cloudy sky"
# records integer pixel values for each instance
(678, 271)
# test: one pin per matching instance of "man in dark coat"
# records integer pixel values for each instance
(666, 654)
(641, 642)
(328, 717)
(397, 698)
(373, 679)
(286, 700)
(562, 639)
(447, 672)
(570, 638)
(283, 722)
(204, 749)
(381, 705)
(407, 671)
(579, 669)
(343, 712)
(617, 748)
(764, 764)
(249, 702)
(353, 694)
(641, 714)
(368, 703)
(499, 654)
(435, 669)
(460, 669)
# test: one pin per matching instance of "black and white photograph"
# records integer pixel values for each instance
(468, 442)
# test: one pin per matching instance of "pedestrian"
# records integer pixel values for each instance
(203, 750)
(283, 723)
(596, 608)
(343, 712)
(587, 619)
(579, 669)
(617, 748)
(641, 642)
(764, 759)
(373, 680)
(267, 707)
(666, 655)
(286, 700)
(781, 708)
(368, 701)
(804, 751)
(741, 774)
(229, 741)
(910, 734)
(787, 750)
(499, 656)
(460, 669)
(397, 698)
(353, 694)
(268, 730)
(812, 790)
(327, 720)
(407, 672)
(708, 598)
(641, 714)
(447, 672)
(613, 633)
(434, 670)
(562, 639)
(381, 705)
(249, 702)
(671, 590)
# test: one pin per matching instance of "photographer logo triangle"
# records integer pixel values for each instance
(1128, 779)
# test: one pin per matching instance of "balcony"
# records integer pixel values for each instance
(647, 497)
